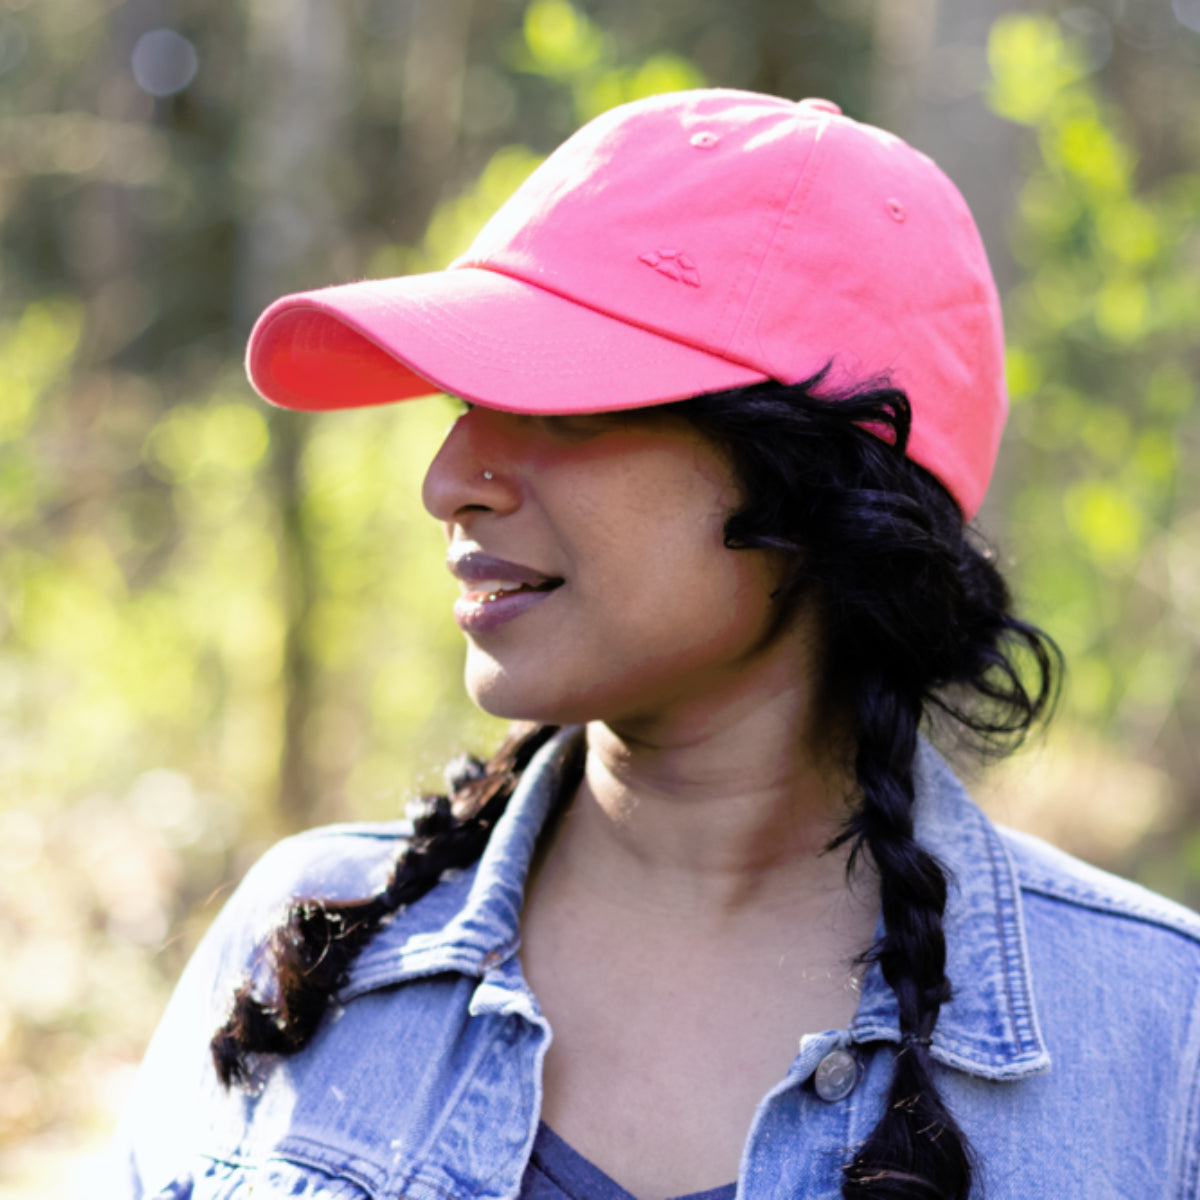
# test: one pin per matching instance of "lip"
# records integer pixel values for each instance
(474, 566)
(483, 608)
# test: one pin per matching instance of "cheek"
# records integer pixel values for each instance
(662, 570)
(689, 599)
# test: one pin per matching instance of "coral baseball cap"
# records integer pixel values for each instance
(685, 243)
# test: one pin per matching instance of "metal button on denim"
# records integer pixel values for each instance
(836, 1076)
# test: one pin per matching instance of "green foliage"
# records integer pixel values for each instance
(1103, 335)
(1031, 63)
(562, 44)
(456, 221)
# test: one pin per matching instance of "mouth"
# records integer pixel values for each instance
(489, 591)
(495, 590)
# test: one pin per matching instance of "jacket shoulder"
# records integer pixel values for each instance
(1044, 870)
(333, 862)
(176, 1092)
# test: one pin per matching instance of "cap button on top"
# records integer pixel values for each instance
(822, 105)
(836, 1076)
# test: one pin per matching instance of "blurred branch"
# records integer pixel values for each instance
(81, 144)
(432, 95)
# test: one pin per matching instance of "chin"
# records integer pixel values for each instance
(499, 694)
(503, 694)
(513, 704)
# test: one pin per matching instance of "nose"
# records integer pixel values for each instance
(470, 471)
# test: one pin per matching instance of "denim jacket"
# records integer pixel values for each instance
(1070, 1052)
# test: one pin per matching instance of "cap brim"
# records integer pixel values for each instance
(486, 337)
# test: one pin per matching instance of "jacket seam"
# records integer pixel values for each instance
(333, 833)
(1108, 908)
(291, 1152)
(1190, 1170)
(1003, 936)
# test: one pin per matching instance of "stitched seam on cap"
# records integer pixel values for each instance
(814, 165)
(740, 296)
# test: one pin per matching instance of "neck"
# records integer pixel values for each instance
(719, 816)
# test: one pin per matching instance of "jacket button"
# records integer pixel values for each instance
(836, 1076)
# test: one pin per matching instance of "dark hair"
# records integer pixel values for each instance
(917, 619)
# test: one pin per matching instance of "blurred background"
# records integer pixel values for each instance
(220, 623)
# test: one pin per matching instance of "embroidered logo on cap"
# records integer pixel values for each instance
(674, 264)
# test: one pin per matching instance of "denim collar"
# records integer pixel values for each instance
(471, 923)
(990, 1026)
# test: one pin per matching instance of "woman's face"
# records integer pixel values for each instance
(595, 582)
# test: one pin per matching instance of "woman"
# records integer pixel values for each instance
(733, 372)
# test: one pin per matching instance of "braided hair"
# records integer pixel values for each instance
(313, 948)
(917, 621)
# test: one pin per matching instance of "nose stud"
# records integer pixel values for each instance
(488, 476)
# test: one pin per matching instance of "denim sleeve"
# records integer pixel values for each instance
(158, 1133)
(1190, 1174)
(177, 1105)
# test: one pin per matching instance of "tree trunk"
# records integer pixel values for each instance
(292, 237)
